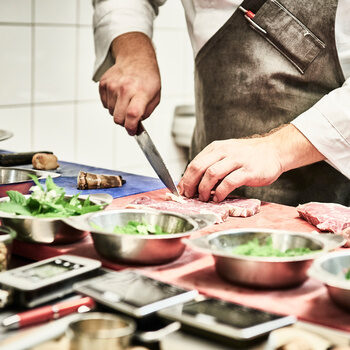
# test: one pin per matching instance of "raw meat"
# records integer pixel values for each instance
(326, 216)
(230, 207)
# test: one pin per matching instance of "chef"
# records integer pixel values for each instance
(272, 92)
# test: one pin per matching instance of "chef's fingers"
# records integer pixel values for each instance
(213, 175)
(232, 181)
(151, 106)
(103, 93)
(112, 96)
(195, 171)
(121, 106)
(134, 113)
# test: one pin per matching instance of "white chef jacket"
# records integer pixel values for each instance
(326, 124)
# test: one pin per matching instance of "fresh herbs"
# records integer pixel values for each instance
(48, 202)
(347, 274)
(135, 228)
(254, 248)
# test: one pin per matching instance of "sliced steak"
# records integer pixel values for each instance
(326, 216)
(230, 207)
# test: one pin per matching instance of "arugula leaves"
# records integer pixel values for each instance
(48, 202)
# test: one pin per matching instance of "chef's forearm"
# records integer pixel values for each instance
(294, 149)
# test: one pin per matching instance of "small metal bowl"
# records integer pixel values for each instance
(17, 179)
(7, 235)
(264, 272)
(141, 249)
(96, 330)
(330, 270)
(51, 230)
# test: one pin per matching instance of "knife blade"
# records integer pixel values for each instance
(149, 149)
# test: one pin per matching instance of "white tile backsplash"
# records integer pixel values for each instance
(55, 63)
(55, 11)
(54, 130)
(15, 11)
(87, 89)
(15, 67)
(85, 12)
(94, 136)
(18, 121)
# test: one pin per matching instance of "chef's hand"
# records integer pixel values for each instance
(130, 89)
(246, 162)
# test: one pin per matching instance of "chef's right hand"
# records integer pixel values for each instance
(130, 89)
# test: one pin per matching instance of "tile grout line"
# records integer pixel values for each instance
(32, 66)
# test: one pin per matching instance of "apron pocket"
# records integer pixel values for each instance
(287, 34)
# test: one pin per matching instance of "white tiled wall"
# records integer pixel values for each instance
(47, 97)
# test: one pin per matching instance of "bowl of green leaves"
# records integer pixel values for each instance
(265, 258)
(137, 236)
(48, 215)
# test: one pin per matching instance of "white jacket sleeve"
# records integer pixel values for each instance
(327, 126)
(115, 17)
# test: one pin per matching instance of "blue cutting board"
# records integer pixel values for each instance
(134, 183)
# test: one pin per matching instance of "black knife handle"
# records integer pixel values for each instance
(10, 159)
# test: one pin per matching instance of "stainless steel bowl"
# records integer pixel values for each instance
(51, 230)
(7, 235)
(330, 270)
(264, 272)
(96, 330)
(18, 179)
(142, 249)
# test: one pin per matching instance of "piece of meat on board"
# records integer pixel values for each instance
(231, 207)
(330, 217)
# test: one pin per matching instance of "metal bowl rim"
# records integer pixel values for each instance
(44, 175)
(24, 217)
(317, 272)
(219, 253)
(147, 237)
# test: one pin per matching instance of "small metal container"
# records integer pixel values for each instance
(17, 179)
(142, 249)
(264, 272)
(52, 230)
(7, 235)
(330, 270)
(104, 331)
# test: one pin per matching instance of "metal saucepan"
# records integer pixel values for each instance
(17, 179)
(264, 272)
(330, 270)
(51, 230)
(97, 330)
(143, 249)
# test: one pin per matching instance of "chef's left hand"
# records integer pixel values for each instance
(258, 161)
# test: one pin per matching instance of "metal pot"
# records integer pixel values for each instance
(17, 179)
(51, 230)
(330, 270)
(143, 249)
(264, 272)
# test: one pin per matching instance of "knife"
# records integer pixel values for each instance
(154, 158)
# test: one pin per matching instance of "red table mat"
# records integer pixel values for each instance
(309, 302)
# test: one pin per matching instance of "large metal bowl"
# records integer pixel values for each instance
(51, 230)
(330, 270)
(18, 179)
(264, 272)
(142, 249)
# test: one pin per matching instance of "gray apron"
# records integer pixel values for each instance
(248, 82)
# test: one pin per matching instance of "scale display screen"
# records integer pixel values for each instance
(217, 311)
(50, 269)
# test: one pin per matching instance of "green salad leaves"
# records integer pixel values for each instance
(48, 202)
(347, 274)
(254, 248)
(135, 228)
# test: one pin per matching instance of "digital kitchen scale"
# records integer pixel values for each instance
(46, 280)
(132, 293)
